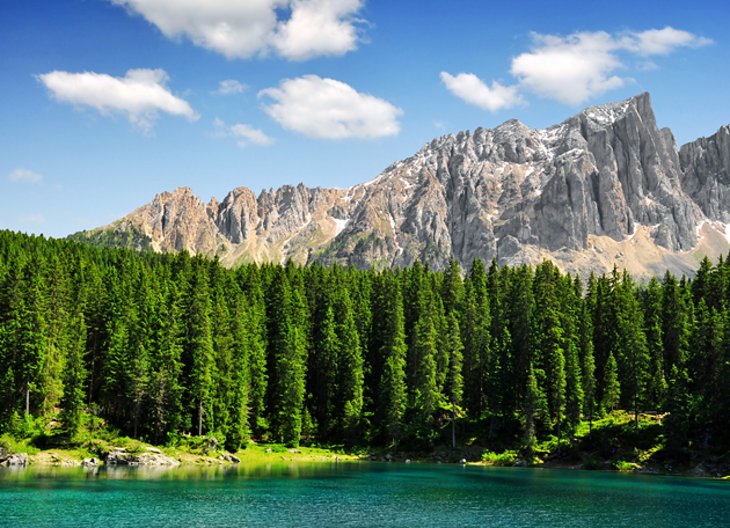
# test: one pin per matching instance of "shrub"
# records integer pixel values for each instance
(506, 458)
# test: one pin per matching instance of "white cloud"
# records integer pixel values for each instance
(577, 67)
(318, 27)
(21, 175)
(140, 94)
(230, 87)
(330, 109)
(243, 134)
(573, 68)
(660, 41)
(473, 90)
(569, 69)
(244, 28)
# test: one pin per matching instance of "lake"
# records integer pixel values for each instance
(357, 494)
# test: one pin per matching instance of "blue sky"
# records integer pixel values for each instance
(104, 103)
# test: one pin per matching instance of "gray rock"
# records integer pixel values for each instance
(706, 173)
(513, 193)
(233, 459)
(16, 459)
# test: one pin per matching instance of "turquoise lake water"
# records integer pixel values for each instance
(358, 494)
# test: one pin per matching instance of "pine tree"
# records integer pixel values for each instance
(288, 353)
(454, 383)
(549, 339)
(350, 373)
(535, 410)
(476, 323)
(198, 347)
(256, 333)
(675, 325)
(631, 348)
(75, 376)
(588, 365)
(656, 382)
(574, 394)
(392, 395)
(611, 388)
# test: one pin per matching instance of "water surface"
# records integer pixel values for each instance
(357, 494)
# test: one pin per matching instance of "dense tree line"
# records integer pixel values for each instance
(160, 345)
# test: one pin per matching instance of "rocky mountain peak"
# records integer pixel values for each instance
(604, 186)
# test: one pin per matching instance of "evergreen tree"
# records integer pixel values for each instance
(611, 387)
(392, 394)
(476, 323)
(675, 325)
(350, 374)
(198, 350)
(631, 348)
(74, 376)
(656, 382)
(454, 383)
(287, 353)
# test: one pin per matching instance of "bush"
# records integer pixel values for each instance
(623, 465)
(506, 458)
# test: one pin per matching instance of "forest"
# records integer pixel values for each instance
(160, 345)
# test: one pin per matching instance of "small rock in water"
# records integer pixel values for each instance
(462, 461)
(408, 460)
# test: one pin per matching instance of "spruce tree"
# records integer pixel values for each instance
(611, 387)
(454, 382)
(74, 376)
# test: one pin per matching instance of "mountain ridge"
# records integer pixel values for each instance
(603, 187)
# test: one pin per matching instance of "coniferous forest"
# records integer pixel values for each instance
(164, 345)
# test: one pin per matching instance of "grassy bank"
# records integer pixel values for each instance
(45, 443)
(614, 442)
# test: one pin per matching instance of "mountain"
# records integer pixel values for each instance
(605, 186)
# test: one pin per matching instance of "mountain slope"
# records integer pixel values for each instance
(605, 186)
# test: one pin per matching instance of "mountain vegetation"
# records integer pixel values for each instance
(163, 345)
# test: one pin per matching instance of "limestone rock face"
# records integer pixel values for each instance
(706, 173)
(605, 186)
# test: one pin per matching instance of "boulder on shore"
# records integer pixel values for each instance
(119, 456)
(16, 459)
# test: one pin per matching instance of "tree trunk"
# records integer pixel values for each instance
(200, 418)
(453, 428)
(27, 397)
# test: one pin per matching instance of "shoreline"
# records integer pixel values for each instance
(262, 455)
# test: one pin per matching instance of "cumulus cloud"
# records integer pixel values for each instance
(244, 28)
(573, 68)
(230, 87)
(141, 94)
(661, 41)
(569, 69)
(243, 134)
(318, 27)
(473, 90)
(329, 109)
(21, 175)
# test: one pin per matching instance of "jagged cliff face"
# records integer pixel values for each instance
(706, 175)
(605, 186)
